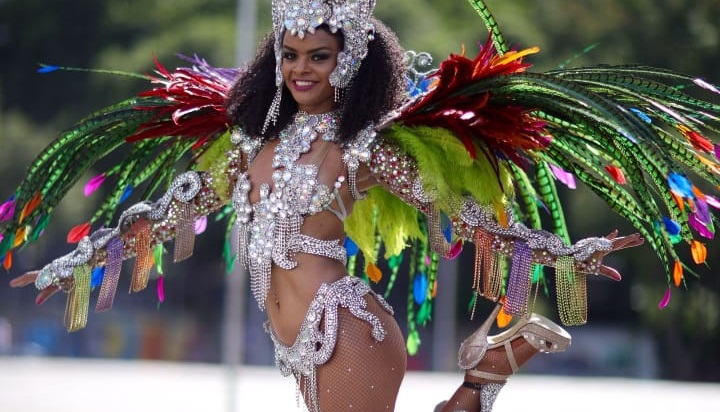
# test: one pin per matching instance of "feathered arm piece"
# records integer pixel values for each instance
(193, 100)
(499, 239)
(183, 115)
(637, 136)
(140, 232)
(636, 142)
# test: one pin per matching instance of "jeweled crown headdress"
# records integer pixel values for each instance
(352, 17)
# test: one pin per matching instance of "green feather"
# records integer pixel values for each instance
(548, 193)
(526, 197)
(447, 170)
(482, 9)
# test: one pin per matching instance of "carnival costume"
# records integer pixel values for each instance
(470, 157)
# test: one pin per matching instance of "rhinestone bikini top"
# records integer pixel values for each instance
(270, 228)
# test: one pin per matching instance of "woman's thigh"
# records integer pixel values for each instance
(363, 374)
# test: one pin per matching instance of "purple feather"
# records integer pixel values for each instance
(712, 201)
(200, 225)
(705, 85)
(702, 211)
(700, 227)
(665, 300)
(7, 210)
(93, 184)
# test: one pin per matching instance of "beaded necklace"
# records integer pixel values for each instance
(300, 134)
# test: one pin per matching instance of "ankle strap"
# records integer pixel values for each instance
(472, 385)
(494, 376)
(486, 375)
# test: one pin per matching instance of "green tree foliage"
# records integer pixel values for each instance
(91, 34)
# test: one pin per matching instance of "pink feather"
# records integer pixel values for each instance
(566, 178)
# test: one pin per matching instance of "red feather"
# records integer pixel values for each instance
(700, 142)
(505, 128)
(616, 173)
(78, 232)
(195, 104)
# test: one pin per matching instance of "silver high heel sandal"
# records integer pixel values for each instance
(540, 332)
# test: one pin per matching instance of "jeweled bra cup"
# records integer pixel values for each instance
(271, 226)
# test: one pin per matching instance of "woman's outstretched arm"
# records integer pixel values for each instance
(140, 229)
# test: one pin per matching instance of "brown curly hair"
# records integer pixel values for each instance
(377, 88)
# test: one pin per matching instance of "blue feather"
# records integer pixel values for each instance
(446, 225)
(672, 227)
(351, 247)
(126, 194)
(420, 288)
(97, 277)
(641, 115)
(46, 68)
(680, 185)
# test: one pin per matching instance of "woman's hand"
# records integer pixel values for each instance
(617, 244)
(28, 279)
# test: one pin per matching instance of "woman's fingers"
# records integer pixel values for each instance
(29, 278)
(618, 243)
(627, 241)
(610, 273)
(45, 294)
(25, 279)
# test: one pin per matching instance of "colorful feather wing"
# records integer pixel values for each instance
(153, 133)
(637, 136)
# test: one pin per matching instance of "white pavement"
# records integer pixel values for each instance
(72, 385)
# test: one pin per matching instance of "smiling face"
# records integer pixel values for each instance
(306, 67)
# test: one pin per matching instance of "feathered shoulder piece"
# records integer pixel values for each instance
(490, 129)
(182, 116)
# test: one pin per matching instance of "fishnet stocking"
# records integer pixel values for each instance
(494, 361)
(464, 399)
(362, 374)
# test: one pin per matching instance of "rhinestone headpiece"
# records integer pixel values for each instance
(352, 17)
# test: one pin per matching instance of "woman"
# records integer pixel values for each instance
(367, 360)
(294, 184)
(363, 372)
(294, 175)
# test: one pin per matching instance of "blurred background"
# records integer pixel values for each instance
(627, 335)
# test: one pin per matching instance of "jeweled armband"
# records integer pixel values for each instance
(524, 248)
(356, 152)
(139, 229)
(546, 247)
(398, 173)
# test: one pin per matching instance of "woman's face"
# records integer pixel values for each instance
(306, 67)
